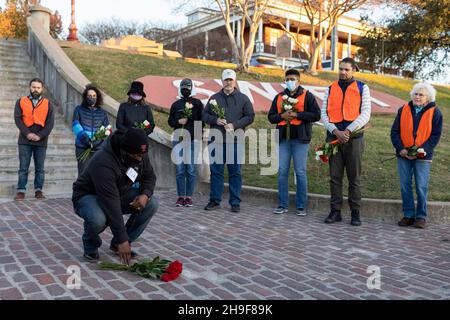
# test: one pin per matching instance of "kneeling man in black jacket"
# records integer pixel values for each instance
(106, 190)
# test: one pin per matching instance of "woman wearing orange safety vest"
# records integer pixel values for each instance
(294, 111)
(415, 133)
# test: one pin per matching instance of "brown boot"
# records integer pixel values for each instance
(406, 222)
(19, 196)
(39, 195)
(420, 223)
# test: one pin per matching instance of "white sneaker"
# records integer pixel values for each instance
(280, 210)
(301, 212)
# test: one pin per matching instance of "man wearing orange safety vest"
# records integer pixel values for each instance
(415, 133)
(346, 108)
(293, 111)
(33, 115)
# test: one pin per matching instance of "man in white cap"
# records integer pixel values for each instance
(238, 113)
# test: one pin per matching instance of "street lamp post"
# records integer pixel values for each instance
(73, 27)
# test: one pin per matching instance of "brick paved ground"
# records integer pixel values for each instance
(251, 255)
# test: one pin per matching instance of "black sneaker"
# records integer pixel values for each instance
(235, 208)
(355, 218)
(115, 250)
(334, 216)
(91, 257)
(212, 205)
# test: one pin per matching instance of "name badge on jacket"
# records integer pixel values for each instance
(132, 174)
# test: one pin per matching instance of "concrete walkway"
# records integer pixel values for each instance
(251, 255)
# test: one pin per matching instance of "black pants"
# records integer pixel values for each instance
(349, 156)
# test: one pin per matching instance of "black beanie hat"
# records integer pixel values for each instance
(135, 141)
(292, 72)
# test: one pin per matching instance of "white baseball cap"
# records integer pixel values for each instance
(228, 74)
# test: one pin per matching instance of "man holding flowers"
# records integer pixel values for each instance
(415, 133)
(103, 193)
(346, 109)
(227, 110)
(294, 111)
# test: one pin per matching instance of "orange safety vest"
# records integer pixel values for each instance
(36, 115)
(343, 107)
(407, 127)
(299, 107)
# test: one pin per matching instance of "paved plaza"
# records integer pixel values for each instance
(250, 255)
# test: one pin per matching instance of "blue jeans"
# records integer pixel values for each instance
(25, 153)
(231, 154)
(95, 221)
(421, 171)
(186, 170)
(299, 152)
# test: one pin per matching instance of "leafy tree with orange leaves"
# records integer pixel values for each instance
(13, 19)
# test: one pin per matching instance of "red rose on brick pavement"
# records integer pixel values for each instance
(174, 267)
(166, 277)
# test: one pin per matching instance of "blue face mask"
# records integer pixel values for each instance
(291, 85)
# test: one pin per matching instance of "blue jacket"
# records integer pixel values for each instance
(86, 121)
(432, 142)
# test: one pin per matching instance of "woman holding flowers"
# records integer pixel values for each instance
(88, 118)
(415, 133)
(135, 113)
(184, 114)
(294, 111)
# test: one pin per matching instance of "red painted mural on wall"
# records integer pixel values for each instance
(163, 91)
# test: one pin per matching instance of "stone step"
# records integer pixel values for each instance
(14, 87)
(6, 112)
(11, 95)
(11, 149)
(28, 69)
(18, 55)
(10, 54)
(13, 80)
(55, 132)
(13, 51)
(13, 43)
(51, 188)
(14, 76)
(9, 124)
(54, 138)
(9, 161)
(51, 173)
(7, 58)
(14, 64)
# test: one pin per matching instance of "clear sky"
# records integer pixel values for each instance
(93, 10)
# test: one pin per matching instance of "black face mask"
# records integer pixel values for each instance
(185, 93)
(129, 161)
(91, 102)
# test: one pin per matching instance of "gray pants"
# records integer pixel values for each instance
(349, 157)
